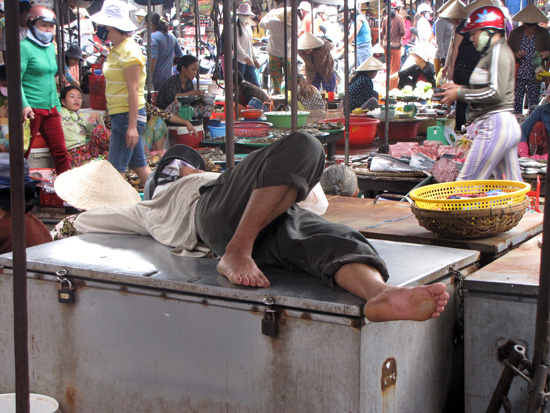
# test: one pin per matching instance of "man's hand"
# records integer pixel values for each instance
(450, 94)
(132, 137)
(256, 63)
(248, 61)
(28, 113)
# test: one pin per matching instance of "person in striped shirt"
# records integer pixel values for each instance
(490, 97)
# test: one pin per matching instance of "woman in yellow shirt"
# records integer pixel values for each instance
(125, 76)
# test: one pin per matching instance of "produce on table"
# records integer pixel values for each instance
(422, 91)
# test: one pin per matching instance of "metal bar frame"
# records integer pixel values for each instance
(17, 192)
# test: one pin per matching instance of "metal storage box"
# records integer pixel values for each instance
(151, 331)
(500, 305)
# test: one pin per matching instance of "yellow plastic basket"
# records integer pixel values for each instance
(435, 197)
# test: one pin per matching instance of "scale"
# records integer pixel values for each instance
(185, 109)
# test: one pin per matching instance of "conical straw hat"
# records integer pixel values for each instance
(480, 3)
(445, 6)
(308, 41)
(454, 11)
(372, 63)
(530, 14)
(95, 185)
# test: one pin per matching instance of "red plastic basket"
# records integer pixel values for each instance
(251, 129)
(50, 199)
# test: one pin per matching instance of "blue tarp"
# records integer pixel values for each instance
(516, 5)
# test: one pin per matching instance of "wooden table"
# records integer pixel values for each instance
(394, 221)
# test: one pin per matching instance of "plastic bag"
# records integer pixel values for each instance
(26, 133)
(316, 201)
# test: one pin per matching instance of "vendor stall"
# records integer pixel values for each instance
(394, 221)
(151, 329)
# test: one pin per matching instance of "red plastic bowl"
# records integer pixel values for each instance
(362, 130)
(401, 130)
(251, 113)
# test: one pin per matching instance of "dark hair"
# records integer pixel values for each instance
(361, 73)
(239, 78)
(24, 6)
(186, 61)
(67, 89)
(306, 90)
(159, 23)
(31, 198)
(239, 27)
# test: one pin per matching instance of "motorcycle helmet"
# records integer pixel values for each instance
(183, 152)
(486, 17)
(40, 13)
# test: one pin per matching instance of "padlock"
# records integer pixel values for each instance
(270, 327)
(65, 294)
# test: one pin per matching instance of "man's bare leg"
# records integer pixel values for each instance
(387, 303)
(264, 205)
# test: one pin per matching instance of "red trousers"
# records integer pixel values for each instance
(48, 123)
(395, 65)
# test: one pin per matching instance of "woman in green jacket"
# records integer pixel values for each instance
(38, 87)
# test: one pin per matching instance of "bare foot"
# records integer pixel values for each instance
(241, 269)
(407, 303)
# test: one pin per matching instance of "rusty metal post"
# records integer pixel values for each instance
(20, 316)
(346, 82)
(178, 13)
(285, 61)
(227, 67)
(293, 66)
(149, 74)
(355, 32)
(235, 61)
(197, 37)
(542, 325)
(385, 148)
(60, 36)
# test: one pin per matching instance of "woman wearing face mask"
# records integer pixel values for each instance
(528, 41)
(38, 87)
(125, 76)
(245, 51)
(490, 97)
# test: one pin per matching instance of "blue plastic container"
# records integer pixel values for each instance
(217, 131)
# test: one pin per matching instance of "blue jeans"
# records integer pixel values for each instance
(249, 73)
(329, 86)
(120, 155)
(364, 51)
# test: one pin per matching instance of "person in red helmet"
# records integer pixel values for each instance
(38, 87)
(490, 97)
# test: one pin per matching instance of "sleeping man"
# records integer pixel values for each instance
(248, 216)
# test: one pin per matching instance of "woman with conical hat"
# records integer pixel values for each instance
(318, 61)
(529, 42)
(361, 88)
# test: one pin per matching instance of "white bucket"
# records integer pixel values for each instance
(39, 403)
